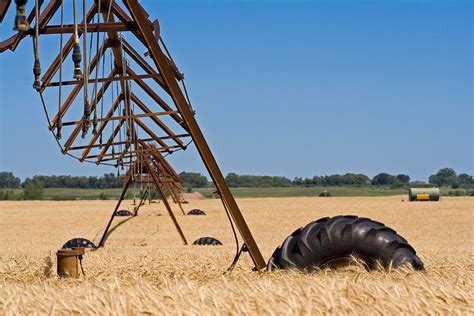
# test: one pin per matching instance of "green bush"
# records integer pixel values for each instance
(33, 191)
(153, 194)
(325, 193)
(457, 193)
(63, 198)
(398, 185)
(8, 195)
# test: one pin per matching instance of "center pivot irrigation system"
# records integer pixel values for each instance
(113, 95)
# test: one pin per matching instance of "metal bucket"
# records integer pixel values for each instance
(68, 262)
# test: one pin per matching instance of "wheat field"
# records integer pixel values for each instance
(145, 268)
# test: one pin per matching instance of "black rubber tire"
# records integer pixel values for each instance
(196, 212)
(328, 242)
(123, 213)
(79, 242)
(207, 241)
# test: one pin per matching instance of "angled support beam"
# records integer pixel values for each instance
(175, 196)
(109, 141)
(155, 119)
(124, 17)
(144, 65)
(203, 148)
(160, 160)
(101, 128)
(157, 183)
(4, 4)
(122, 197)
(142, 84)
(75, 91)
(152, 134)
(78, 128)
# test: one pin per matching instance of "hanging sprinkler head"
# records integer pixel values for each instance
(37, 65)
(77, 58)
(37, 73)
(59, 126)
(76, 50)
(86, 122)
(21, 23)
(95, 122)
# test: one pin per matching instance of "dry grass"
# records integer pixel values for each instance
(145, 269)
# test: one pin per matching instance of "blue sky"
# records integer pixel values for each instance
(293, 88)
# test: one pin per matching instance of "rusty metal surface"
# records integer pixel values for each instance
(68, 262)
(4, 4)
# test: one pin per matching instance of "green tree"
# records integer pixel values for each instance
(444, 176)
(8, 195)
(193, 179)
(384, 179)
(464, 178)
(249, 181)
(403, 178)
(8, 180)
(33, 191)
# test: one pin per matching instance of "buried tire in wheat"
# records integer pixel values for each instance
(331, 242)
(123, 213)
(207, 241)
(196, 212)
(79, 242)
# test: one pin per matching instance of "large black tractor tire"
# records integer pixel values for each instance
(207, 241)
(331, 242)
(79, 242)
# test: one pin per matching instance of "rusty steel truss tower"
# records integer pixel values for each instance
(114, 66)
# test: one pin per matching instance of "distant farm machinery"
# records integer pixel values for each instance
(423, 194)
(114, 83)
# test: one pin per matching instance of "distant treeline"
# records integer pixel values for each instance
(108, 180)
(444, 177)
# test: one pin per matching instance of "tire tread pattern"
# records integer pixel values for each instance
(196, 212)
(207, 241)
(339, 237)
